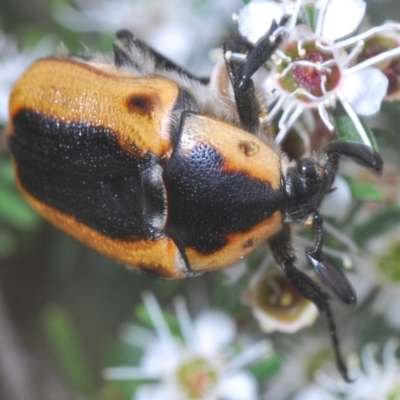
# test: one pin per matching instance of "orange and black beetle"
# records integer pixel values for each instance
(146, 164)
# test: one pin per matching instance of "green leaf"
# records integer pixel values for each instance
(381, 132)
(123, 353)
(377, 225)
(6, 171)
(246, 1)
(390, 106)
(8, 243)
(346, 129)
(119, 390)
(116, 390)
(308, 16)
(64, 341)
(266, 368)
(364, 191)
(15, 211)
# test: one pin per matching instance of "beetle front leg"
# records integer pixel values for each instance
(284, 254)
(241, 71)
(329, 272)
(246, 101)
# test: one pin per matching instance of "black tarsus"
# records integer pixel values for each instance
(262, 51)
(361, 152)
(240, 72)
(329, 272)
(284, 254)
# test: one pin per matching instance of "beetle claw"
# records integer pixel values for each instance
(366, 154)
(333, 277)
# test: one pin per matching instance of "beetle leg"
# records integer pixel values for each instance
(245, 95)
(262, 51)
(366, 154)
(330, 273)
(284, 254)
(126, 54)
(241, 71)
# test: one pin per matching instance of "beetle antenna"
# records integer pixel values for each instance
(310, 290)
(335, 341)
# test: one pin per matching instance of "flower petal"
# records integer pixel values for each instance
(157, 351)
(255, 19)
(276, 305)
(270, 323)
(314, 393)
(239, 386)
(154, 392)
(342, 17)
(338, 203)
(365, 90)
(214, 330)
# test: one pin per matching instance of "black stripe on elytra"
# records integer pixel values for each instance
(80, 170)
(206, 203)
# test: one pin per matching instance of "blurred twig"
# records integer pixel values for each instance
(15, 380)
(3, 144)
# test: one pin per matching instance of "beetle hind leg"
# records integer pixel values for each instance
(130, 52)
(284, 255)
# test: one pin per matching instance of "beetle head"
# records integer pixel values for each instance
(309, 181)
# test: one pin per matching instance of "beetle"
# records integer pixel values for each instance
(143, 162)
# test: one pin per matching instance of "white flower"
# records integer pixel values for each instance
(304, 356)
(385, 253)
(373, 380)
(248, 16)
(337, 204)
(377, 265)
(381, 43)
(314, 393)
(203, 366)
(276, 305)
(314, 69)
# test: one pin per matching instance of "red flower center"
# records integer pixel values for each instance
(308, 71)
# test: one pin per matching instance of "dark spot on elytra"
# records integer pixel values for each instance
(248, 244)
(248, 148)
(141, 103)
